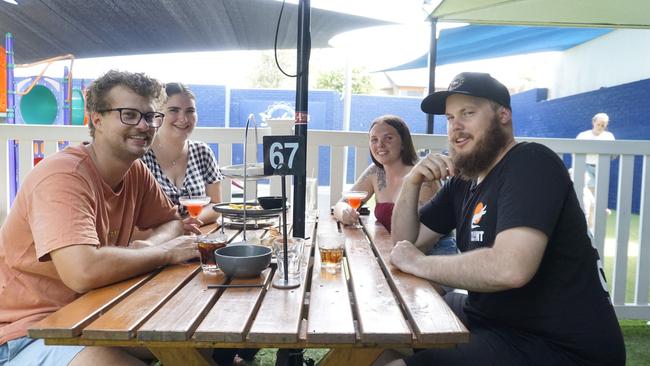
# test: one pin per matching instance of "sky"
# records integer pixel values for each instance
(365, 48)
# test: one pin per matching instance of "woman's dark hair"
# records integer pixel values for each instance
(408, 154)
(178, 88)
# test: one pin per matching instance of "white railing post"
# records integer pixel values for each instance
(643, 259)
(623, 213)
(361, 156)
(225, 159)
(600, 208)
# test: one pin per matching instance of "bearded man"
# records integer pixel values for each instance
(536, 292)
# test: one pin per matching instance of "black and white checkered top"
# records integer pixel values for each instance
(202, 169)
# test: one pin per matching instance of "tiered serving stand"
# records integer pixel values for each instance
(241, 217)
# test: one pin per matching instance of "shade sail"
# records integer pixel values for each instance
(475, 42)
(573, 13)
(48, 28)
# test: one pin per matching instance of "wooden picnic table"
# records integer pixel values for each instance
(358, 312)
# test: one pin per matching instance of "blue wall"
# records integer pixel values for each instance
(210, 105)
(534, 116)
(628, 106)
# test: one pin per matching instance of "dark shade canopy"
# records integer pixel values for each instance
(96, 28)
(476, 42)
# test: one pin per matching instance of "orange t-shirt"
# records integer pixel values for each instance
(62, 202)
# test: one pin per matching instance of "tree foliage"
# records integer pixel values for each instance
(335, 80)
(268, 76)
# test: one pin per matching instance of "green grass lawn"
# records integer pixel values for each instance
(637, 342)
(266, 356)
(611, 226)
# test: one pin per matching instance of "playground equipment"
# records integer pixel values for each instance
(37, 100)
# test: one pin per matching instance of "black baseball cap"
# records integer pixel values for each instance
(477, 84)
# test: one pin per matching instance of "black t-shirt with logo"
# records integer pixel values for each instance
(566, 302)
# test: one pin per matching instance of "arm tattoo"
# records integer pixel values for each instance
(381, 179)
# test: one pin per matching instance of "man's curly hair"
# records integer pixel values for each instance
(141, 84)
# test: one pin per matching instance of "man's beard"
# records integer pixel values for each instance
(470, 165)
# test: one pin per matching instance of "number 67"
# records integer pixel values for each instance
(277, 157)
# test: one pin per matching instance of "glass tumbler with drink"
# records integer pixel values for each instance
(330, 248)
(354, 199)
(207, 245)
(295, 247)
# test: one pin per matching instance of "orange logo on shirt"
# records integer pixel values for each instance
(479, 211)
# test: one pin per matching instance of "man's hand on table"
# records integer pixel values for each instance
(405, 256)
(180, 249)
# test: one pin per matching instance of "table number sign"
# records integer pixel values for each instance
(284, 155)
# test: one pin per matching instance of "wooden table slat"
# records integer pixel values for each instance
(379, 316)
(68, 321)
(280, 316)
(431, 318)
(121, 321)
(177, 319)
(232, 315)
(329, 295)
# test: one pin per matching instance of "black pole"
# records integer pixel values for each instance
(302, 89)
(285, 259)
(433, 45)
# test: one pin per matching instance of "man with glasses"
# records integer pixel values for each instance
(69, 230)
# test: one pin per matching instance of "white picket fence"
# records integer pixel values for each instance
(621, 248)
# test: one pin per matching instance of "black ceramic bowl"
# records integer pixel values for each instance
(270, 202)
(243, 260)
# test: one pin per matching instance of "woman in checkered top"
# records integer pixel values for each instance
(182, 166)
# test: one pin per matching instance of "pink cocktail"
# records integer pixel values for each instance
(194, 205)
(354, 199)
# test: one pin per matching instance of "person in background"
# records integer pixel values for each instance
(599, 123)
(393, 156)
(536, 292)
(184, 167)
(70, 228)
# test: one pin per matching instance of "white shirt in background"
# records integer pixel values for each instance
(589, 135)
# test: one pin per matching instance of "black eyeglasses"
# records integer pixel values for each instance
(132, 117)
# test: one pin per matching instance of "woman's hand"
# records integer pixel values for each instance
(345, 214)
(192, 225)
